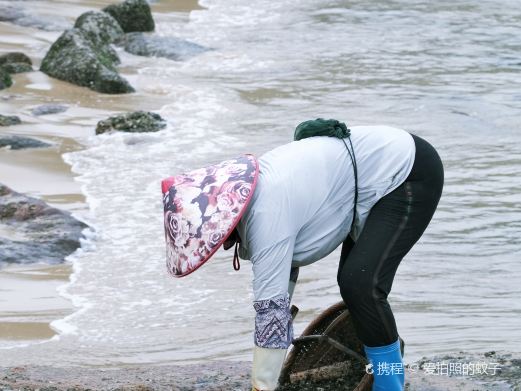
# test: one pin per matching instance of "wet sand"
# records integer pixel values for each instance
(211, 376)
(29, 301)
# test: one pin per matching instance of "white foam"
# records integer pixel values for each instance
(120, 269)
(65, 326)
(13, 345)
(39, 86)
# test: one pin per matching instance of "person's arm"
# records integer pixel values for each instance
(273, 322)
(273, 335)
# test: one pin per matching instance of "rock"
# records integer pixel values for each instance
(42, 22)
(77, 59)
(132, 15)
(7, 97)
(33, 231)
(17, 142)
(16, 62)
(156, 46)
(14, 57)
(48, 109)
(100, 27)
(17, 67)
(8, 120)
(10, 14)
(138, 121)
(5, 79)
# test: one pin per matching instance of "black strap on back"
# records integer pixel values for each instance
(331, 128)
(355, 169)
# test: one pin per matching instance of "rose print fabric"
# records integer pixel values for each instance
(202, 207)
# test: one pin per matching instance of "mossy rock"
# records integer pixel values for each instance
(5, 79)
(132, 15)
(16, 62)
(17, 67)
(9, 120)
(15, 57)
(77, 59)
(135, 122)
(100, 27)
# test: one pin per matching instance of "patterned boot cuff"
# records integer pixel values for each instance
(273, 322)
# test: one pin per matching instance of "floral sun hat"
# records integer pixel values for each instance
(202, 208)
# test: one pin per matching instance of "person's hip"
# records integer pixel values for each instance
(427, 164)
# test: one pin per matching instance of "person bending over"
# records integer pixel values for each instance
(373, 189)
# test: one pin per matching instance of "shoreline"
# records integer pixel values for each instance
(132, 326)
(209, 376)
(30, 301)
(43, 173)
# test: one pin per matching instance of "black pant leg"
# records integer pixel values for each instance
(394, 224)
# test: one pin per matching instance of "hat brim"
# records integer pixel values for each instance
(202, 208)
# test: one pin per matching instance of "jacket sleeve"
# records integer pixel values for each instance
(273, 323)
(271, 273)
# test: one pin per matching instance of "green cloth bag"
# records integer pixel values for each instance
(321, 127)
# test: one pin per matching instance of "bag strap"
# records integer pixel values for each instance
(355, 169)
(331, 128)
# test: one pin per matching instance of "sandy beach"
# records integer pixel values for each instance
(213, 376)
(30, 301)
(109, 318)
(29, 298)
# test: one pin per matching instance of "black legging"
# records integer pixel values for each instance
(367, 266)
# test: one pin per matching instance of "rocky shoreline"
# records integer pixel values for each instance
(82, 55)
(35, 231)
(235, 376)
(213, 376)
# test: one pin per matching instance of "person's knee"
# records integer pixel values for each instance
(355, 287)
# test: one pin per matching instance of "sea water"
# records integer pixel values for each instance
(446, 71)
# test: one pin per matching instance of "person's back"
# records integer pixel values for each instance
(302, 207)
